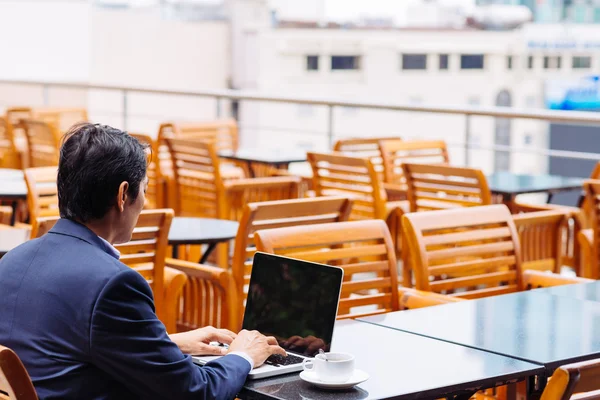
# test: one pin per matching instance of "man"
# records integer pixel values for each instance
(82, 322)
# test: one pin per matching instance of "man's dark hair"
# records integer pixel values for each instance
(94, 160)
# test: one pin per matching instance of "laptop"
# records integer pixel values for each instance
(296, 302)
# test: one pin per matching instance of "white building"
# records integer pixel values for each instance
(250, 50)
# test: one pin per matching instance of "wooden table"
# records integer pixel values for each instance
(278, 158)
(510, 185)
(11, 238)
(532, 326)
(209, 231)
(12, 188)
(401, 366)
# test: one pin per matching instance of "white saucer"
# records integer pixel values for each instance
(357, 377)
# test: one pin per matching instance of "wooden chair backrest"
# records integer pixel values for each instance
(240, 192)
(61, 118)
(153, 194)
(465, 252)
(335, 174)
(357, 247)
(541, 237)
(42, 193)
(147, 250)
(43, 142)
(364, 148)
(42, 225)
(396, 152)
(223, 132)
(279, 214)
(9, 155)
(198, 184)
(579, 381)
(592, 197)
(14, 379)
(439, 187)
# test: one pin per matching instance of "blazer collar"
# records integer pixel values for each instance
(71, 228)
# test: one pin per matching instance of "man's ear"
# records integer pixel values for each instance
(122, 195)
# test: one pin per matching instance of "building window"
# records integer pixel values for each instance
(582, 62)
(443, 61)
(509, 62)
(552, 62)
(339, 63)
(471, 61)
(530, 62)
(414, 61)
(312, 63)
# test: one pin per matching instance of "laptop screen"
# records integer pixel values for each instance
(295, 301)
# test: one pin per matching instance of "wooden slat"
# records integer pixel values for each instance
(467, 236)
(493, 278)
(366, 284)
(337, 254)
(487, 292)
(472, 265)
(488, 248)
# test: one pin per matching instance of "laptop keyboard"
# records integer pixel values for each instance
(277, 360)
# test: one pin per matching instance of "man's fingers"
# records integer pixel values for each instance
(277, 350)
(228, 333)
(221, 337)
(272, 341)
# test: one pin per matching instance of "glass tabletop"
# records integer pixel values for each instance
(12, 184)
(514, 184)
(186, 230)
(532, 326)
(401, 366)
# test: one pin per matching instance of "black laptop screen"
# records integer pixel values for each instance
(293, 300)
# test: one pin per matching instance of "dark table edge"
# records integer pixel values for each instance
(516, 193)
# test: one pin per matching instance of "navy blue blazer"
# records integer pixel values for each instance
(84, 325)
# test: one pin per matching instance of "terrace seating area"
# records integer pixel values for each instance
(412, 231)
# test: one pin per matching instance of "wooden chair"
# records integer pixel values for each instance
(223, 132)
(43, 143)
(156, 190)
(396, 152)
(470, 253)
(438, 187)
(10, 155)
(364, 148)
(579, 381)
(589, 239)
(60, 117)
(15, 383)
(335, 174)
(279, 214)
(541, 234)
(42, 194)
(361, 248)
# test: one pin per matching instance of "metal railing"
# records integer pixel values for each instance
(564, 117)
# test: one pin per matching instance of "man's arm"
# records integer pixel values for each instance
(130, 343)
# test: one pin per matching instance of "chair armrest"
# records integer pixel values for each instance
(412, 298)
(526, 207)
(220, 279)
(585, 239)
(395, 191)
(538, 279)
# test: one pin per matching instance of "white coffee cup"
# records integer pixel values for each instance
(331, 367)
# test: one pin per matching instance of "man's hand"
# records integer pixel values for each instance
(197, 342)
(256, 345)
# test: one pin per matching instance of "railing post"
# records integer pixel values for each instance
(218, 99)
(330, 125)
(125, 116)
(46, 95)
(467, 138)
